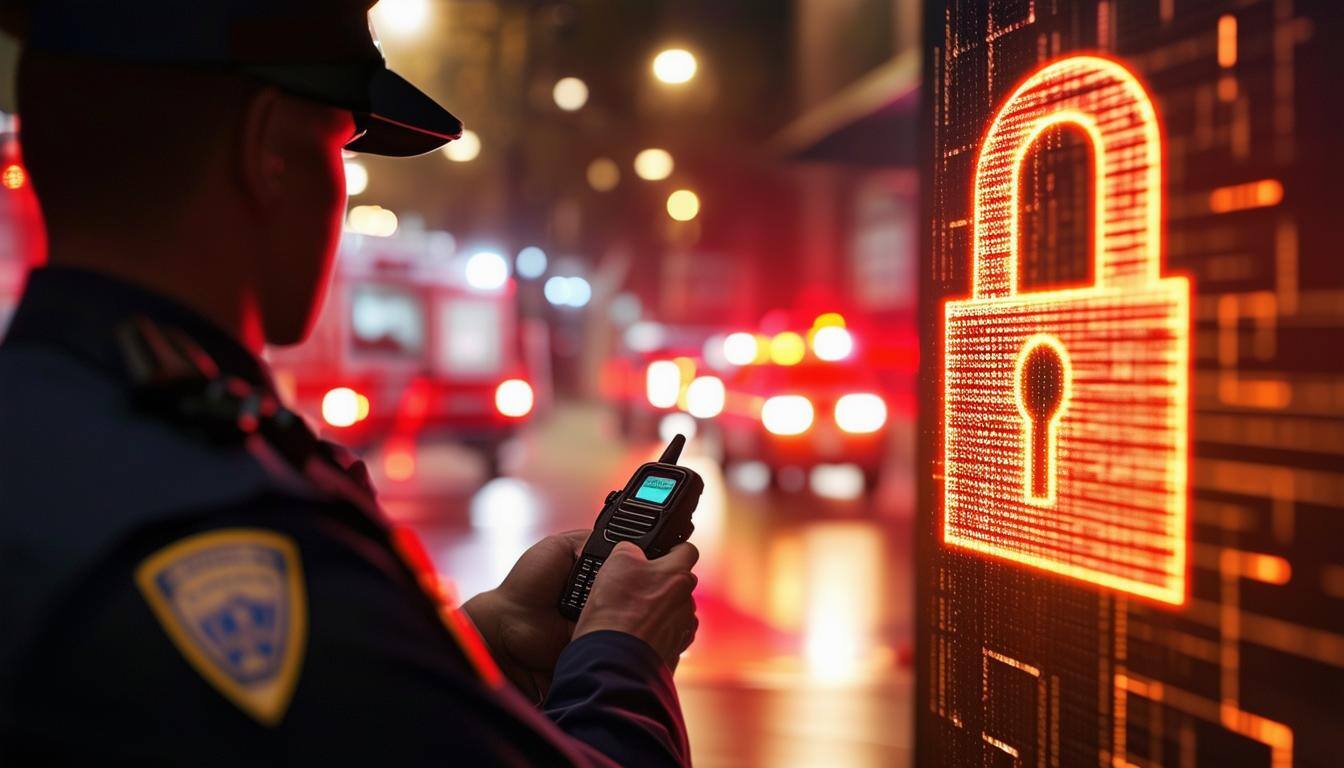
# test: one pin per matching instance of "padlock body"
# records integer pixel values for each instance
(1118, 514)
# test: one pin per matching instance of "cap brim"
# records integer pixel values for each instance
(402, 121)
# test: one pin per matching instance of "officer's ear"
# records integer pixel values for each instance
(262, 146)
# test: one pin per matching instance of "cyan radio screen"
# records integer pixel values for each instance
(655, 489)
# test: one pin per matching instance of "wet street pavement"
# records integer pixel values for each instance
(803, 653)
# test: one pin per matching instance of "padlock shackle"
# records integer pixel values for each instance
(1113, 109)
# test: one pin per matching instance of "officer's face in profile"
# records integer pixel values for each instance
(298, 181)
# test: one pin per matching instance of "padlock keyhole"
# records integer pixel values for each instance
(1041, 385)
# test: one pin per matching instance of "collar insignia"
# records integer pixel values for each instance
(233, 603)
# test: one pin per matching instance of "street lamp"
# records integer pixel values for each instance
(674, 66)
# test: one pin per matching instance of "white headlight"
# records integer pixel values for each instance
(787, 414)
(662, 383)
(860, 413)
(704, 397)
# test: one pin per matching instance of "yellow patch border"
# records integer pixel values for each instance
(270, 706)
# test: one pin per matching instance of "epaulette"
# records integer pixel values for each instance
(175, 379)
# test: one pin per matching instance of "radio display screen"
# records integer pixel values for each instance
(655, 489)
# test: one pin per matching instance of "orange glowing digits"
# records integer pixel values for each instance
(1065, 424)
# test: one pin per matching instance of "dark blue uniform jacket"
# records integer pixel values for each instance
(91, 485)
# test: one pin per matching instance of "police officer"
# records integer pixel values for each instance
(187, 575)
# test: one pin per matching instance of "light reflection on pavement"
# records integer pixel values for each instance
(802, 658)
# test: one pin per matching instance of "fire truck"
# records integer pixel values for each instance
(409, 345)
(822, 397)
(22, 237)
(405, 345)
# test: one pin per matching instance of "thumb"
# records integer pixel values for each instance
(575, 539)
(628, 549)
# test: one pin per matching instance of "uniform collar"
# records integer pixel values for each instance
(79, 310)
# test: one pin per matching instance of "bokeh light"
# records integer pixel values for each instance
(343, 407)
(570, 93)
(356, 178)
(683, 205)
(662, 383)
(674, 424)
(787, 348)
(675, 66)
(14, 177)
(487, 271)
(832, 343)
(531, 262)
(465, 148)
(705, 397)
(653, 164)
(514, 398)
(402, 18)
(828, 320)
(860, 413)
(580, 292)
(556, 291)
(625, 308)
(568, 291)
(372, 220)
(645, 336)
(712, 352)
(787, 414)
(603, 174)
(740, 348)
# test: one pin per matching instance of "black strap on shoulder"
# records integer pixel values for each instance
(173, 378)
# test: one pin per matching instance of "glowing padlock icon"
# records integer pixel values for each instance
(1087, 385)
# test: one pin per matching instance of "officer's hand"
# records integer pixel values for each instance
(650, 599)
(520, 620)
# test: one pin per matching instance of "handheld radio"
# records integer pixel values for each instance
(653, 512)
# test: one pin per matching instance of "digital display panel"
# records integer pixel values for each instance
(655, 489)
(1128, 539)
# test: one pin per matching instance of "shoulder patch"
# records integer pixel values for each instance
(233, 602)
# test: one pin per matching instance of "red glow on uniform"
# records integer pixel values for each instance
(412, 552)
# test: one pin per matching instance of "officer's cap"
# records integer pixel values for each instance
(325, 50)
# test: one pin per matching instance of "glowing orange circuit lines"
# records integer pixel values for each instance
(987, 656)
(1114, 512)
(1277, 736)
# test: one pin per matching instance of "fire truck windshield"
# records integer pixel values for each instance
(470, 339)
(386, 319)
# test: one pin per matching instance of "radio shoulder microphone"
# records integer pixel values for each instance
(653, 511)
